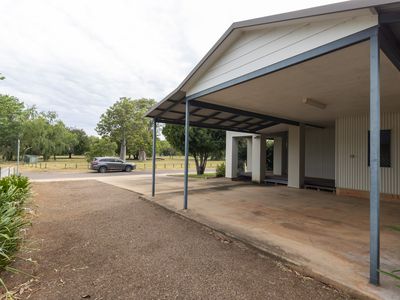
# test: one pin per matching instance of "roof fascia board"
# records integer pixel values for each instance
(315, 11)
(321, 10)
(314, 53)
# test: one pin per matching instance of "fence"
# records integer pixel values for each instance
(7, 171)
(147, 165)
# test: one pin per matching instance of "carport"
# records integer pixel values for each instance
(297, 70)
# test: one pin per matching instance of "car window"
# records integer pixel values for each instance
(119, 160)
(106, 160)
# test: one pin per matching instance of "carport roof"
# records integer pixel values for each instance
(172, 108)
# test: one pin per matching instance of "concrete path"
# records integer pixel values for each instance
(325, 234)
(97, 241)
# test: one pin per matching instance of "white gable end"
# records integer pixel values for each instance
(258, 48)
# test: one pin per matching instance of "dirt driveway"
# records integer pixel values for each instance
(97, 241)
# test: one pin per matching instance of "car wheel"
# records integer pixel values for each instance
(102, 169)
(128, 169)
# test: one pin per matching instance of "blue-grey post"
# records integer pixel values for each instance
(374, 157)
(185, 191)
(153, 187)
(18, 148)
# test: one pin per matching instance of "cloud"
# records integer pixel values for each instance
(78, 57)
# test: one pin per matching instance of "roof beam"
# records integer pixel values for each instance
(191, 112)
(240, 112)
(202, 125)
(212, 116)
(168, 108)
(389, 45)
(265, 126)
(389, 18)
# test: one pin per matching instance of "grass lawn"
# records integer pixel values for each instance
(79, 163)
(204, 176)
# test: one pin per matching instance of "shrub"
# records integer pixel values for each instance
(220, 170)
(14, 191)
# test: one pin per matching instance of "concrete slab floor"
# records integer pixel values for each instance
(325, 234)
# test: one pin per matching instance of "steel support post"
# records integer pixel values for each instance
(374, 157)
(187, 116)
(153, 187)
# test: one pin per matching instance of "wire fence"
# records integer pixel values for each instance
(7, 171)
(139, 165)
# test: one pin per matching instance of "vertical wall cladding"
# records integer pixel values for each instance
(352, 171)
(320, 153)
(259, 48)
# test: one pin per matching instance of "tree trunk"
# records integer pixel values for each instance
(70, 155)
(142, 155)
(122, 153)
(201, 163)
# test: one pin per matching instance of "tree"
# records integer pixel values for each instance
(12, 116)
(44, 134)
(82, 142)
(203, 142)
(165, 149)
(100, 147)
(125, 123)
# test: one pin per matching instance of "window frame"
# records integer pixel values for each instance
(383, 132)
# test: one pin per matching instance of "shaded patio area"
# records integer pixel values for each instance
(324, 234)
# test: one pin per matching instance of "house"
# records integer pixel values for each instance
(323, 83)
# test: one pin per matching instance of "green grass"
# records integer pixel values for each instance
(79, 163)
(203, 176)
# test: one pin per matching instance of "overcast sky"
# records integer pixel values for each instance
(78, 57)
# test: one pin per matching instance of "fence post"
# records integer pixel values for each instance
(45, 165)
(65, 166)
(165, 165)
(76, 166)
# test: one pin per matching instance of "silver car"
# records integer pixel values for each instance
(105, 164)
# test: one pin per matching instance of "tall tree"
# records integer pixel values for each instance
(82, 142)
(203, 143)
(124, 123)
(100, 147)
(12, 115)
(44, 134)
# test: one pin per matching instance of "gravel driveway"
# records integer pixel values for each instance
(96, 241)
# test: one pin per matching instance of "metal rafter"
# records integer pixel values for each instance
(211, 126)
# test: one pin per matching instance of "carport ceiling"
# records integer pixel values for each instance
(340, 80)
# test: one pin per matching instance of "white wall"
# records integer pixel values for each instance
(352, 171)
(296, 156)
(320, 152)
(231, 152)
(256, 49)
(278, 152)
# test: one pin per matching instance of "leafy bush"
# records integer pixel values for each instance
(220, 170)
(14, 191)
(101, 147)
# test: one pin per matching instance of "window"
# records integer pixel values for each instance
(385, 148)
